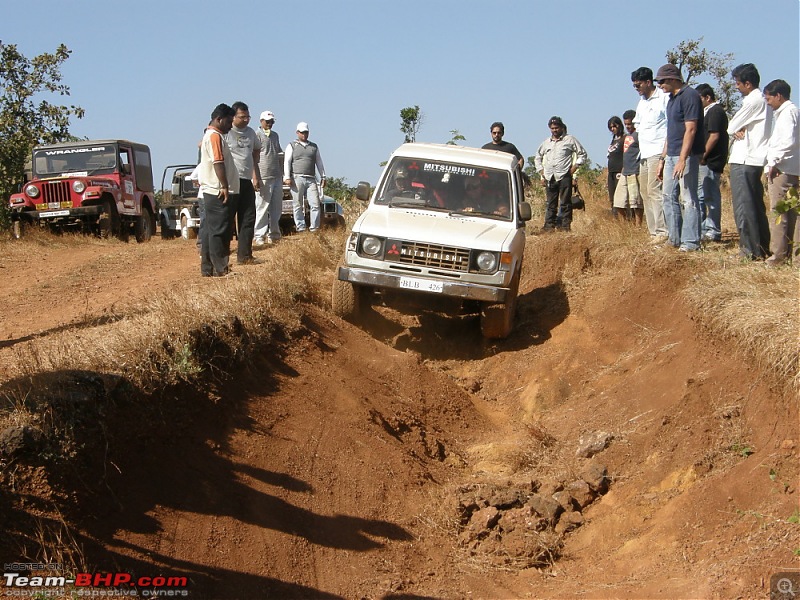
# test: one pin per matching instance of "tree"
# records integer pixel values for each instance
(456, 137)
(693, 60)
(335, 187)
(410, 122)
(26, 119)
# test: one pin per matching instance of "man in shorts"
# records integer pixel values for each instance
(627, 197)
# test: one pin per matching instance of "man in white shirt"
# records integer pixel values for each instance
(783, 170)
(748, 129)
(651, 125)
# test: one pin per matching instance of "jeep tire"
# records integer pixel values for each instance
(144, 225)
(345, 299)
(108, 222)
(497, 319)
(17, 229)
(166, 232)
(187, 233)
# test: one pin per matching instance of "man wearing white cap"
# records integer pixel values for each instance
(302, 160)
(270, 201)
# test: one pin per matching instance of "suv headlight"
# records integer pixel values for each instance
(371, 246)
(486, 261)
(31, 191)
(78, 186)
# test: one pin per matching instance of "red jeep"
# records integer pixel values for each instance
(103, 187)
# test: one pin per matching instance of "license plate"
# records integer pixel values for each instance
(54, 213)
(422, 285)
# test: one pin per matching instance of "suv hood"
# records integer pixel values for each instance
(415, 225)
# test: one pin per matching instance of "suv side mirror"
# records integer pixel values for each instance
(363, 190)
(524, 209)
(176, 189)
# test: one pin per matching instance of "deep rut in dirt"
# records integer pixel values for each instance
(407, 457)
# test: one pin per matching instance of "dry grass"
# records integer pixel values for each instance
(203, 329)
(755, 307)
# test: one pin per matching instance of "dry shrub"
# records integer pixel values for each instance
(755, 307)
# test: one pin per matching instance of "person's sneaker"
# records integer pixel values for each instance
(658, 239)
(772, 262)
(258, 242)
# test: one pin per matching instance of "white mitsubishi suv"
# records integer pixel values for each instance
(444, 229)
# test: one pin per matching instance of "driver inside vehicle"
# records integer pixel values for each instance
(402, 183)
(404, 187)
(481, 196)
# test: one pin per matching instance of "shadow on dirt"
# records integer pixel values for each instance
(108, 460)
(440, 336)
(83, 324)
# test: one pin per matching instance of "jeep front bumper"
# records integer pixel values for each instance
(458, 289)
(57, 213)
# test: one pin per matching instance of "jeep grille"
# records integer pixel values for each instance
(432, 255)
(56, 191)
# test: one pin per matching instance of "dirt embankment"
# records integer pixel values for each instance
(606, 449)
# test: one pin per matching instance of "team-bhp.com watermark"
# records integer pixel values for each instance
(23, 580)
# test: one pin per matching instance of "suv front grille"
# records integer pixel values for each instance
(56, 191)
(430, 255)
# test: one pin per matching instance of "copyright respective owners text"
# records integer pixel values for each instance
(784, 585)
(49, 580)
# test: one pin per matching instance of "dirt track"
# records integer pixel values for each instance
(334, 466)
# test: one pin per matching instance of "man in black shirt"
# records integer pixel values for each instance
(497, 143)
(715, 125)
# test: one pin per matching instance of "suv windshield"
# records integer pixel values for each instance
(87, 160)
(190, 188)
(452, 187)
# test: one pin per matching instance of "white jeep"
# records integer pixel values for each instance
(445, 228)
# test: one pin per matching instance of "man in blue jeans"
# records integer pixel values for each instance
(712, 164)
(300, 163)
(680, 162)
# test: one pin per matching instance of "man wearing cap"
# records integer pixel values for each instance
(679, 165)
(245, 149)
(749, 129)
(269, 203)
(651, 125)
(302, 159)
(556, 160)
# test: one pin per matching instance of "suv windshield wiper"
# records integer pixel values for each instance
(402, 202)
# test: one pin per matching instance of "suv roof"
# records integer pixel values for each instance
(448, 152)
(81, 143)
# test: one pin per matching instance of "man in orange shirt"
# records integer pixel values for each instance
(219, 181)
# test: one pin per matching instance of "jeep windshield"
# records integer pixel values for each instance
(190, 188)
(75, 160)
(458, 189)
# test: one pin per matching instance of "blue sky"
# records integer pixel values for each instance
(153, 71)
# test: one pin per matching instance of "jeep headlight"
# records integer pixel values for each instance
(78, 186)
(31, 191)
(486, 261)
(371, 246)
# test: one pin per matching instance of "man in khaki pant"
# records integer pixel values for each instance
(783, 169)
(651, 124)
